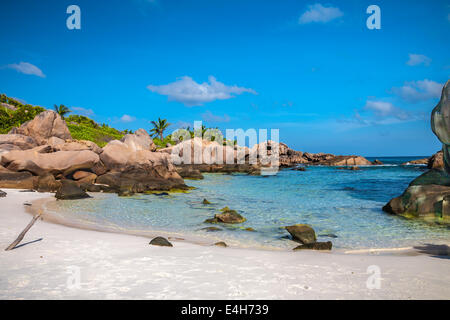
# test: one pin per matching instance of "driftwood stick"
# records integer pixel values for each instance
(22, 234)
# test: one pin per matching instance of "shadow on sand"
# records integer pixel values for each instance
(435, 250)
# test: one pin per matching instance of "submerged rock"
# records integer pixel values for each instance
(315, 246)
(160, 241)
(211, 229)
(69, 190)
(377, 162)
(302, 233)
(205, 201)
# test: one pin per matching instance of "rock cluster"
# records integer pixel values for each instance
(42, 155)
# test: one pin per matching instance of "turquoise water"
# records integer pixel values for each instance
(342, 206)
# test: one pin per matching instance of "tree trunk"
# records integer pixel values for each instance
(22, 234)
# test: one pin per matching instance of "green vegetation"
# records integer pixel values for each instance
(13, 113)
(83, 128)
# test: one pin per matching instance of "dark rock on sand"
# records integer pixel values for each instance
(69, 190)
(302, 233)
(160, 241)
(221, 244)
(2, 194)
(315, 246)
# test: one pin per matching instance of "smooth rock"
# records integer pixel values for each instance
(221, 244)
(45, 125)
(160, 241)
(47, 183)
(302, 233)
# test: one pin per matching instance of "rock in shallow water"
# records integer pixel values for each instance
(302, 233)
(227, 216)
(160, 241)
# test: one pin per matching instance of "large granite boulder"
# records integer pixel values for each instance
(41, 160)
(69, 190)
(16, 180)
(140, 140)
(422, 201)
(19, 140)
(45, 125)
(428, 196)
(47, 183)
(76, 145)
(302, 233)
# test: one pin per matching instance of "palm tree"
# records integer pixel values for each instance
(159, 127)
(62, 110)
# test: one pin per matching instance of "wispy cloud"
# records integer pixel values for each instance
(191, 93)
(319, 13)
(415, 91)
(127, 118)
(26, 68)
(382, 109)
(208, 116)
(418, 59)
(82, 111)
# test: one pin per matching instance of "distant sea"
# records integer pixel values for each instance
(343, 206)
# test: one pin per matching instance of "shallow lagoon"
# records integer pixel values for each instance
(341, 205)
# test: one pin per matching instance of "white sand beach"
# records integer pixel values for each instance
(117, 266)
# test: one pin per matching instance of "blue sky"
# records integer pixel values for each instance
(309, 68)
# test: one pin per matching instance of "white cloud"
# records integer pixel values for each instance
(26, 68)
(191, 93)
(127, 118)
(418, 59)
(382, 109)
(208, 116)
(415, 91)
(320, 13)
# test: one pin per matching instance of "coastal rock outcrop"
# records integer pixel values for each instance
(41, 160)
(346, 161)
(47, 183)
(45, 125)
(16, 180)
(140, 140)
(19, 140)
(428, 196)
